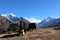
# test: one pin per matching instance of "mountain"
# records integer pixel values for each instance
(23, 19)
(4, 22)
(11, 17)
(7, 20)
(47, 22)
(57, 22)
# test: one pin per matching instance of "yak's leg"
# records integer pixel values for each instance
(23, 32)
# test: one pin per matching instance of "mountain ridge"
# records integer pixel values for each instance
(50, 23)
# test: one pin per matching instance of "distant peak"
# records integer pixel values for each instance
(12, 14)
(33, 20)
(49, 18)
(5, 15)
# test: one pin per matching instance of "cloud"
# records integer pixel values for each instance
(33, 20)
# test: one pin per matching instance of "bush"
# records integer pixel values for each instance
(13, 27)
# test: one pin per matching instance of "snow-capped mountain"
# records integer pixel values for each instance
(11, 17)
(6, 20)
(47, 19)
(15, 19)
(47, 22)
(32, 20)
(23, 19)
(57, 22)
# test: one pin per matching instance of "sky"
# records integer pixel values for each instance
(38, 9)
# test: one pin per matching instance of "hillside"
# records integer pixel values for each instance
(38, 34)
(4, 22)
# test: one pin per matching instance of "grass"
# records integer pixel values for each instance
(38, 34)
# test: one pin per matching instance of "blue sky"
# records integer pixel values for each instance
(38, 9)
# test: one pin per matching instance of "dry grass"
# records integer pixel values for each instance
(38, 34)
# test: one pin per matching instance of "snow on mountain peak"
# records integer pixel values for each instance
(5, 15)
(33, 20)
(11, 17)
(48, 18)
